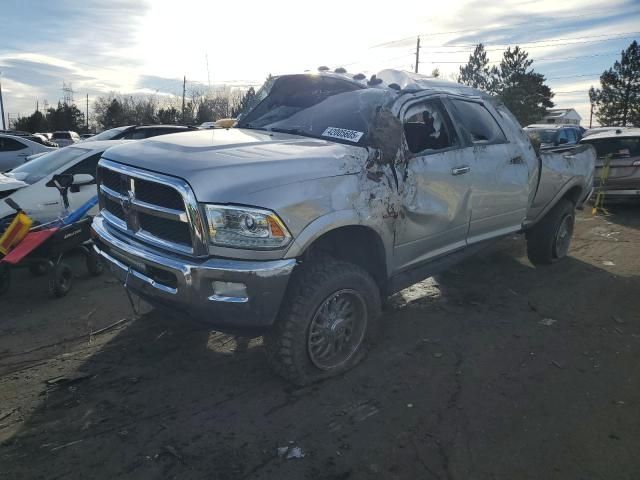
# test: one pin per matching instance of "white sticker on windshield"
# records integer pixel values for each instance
(343, 134)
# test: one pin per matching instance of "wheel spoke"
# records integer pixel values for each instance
(337, 329)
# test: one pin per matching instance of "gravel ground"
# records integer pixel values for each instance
(493, 370)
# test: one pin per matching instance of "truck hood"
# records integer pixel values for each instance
(223, 165)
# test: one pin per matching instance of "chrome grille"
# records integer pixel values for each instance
(153, 208)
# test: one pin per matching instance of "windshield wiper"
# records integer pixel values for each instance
(250, 127)
(292, 131)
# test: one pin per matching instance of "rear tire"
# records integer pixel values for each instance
(549, 240)
(326, 323)
(61, 280)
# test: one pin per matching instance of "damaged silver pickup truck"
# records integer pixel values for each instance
(333, 192)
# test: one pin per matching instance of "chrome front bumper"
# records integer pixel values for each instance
(185, 286)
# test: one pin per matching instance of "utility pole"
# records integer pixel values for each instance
(591, 115)
(87, 116)
(417, 54)
(184, 92)
(4, 126)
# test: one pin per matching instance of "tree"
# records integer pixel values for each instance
(514, 82)
(476, 73)
(36, 122)
(65, 117)
(168, 115)
(520, 88)
(617, 101)
(435, 73)
(246, 103)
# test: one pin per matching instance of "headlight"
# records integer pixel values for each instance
(243, 227)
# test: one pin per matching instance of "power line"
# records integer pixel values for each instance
(542, 59)
(613, 37)
(576, 76)
(593, 13)
(529, 47)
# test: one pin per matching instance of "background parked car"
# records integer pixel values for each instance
(64, 138)
(42, 140)
(14, 150)
(593, 130)
(34, 137)
(555, 135)
(623, 145)
(139, 132)
(26, 184)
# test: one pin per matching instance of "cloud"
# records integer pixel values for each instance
(147, 46)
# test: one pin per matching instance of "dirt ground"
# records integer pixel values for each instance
(493, 370)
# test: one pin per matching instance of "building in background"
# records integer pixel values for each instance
(562, 116)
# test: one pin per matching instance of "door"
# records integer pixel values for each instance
(435, 193)
(13, 152)
(499, 172)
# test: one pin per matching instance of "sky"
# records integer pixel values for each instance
(148, 46)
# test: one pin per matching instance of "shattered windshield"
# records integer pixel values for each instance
(317, 106)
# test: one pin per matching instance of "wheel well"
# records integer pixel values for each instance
(356, 244)
(574, 194)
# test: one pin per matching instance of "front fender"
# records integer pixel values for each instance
(333, 221)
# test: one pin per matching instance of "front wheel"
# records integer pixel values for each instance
(549, 240)
(326, 322)
(60, 280)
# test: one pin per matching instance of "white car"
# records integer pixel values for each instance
(14, 150)
(26, 184)
(65, 138)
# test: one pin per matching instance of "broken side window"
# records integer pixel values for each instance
(427, 128)
(478, 122)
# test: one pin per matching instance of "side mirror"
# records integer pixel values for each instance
(61, 181)
(81, 179)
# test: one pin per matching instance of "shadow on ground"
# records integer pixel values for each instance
(492, 370)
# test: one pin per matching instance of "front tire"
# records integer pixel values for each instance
(549, 240)
(326, 322)
(61, 280)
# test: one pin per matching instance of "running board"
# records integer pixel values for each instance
(405, 279)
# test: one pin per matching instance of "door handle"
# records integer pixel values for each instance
(23, 154)
(460, 170)
(516, 160)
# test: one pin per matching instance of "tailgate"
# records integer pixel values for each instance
(624, 155)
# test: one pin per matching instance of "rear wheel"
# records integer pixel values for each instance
(549, 240)
(61, 279)
(326, 322)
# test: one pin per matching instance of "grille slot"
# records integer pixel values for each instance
(177, 232)
(147, 206)
(158, 194)
(110, 179)
(114, 208)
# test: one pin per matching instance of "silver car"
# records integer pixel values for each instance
(620, 148)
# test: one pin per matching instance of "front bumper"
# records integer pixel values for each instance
(185, 286)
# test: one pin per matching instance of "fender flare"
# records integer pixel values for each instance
(332, 221)
(573, 182)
